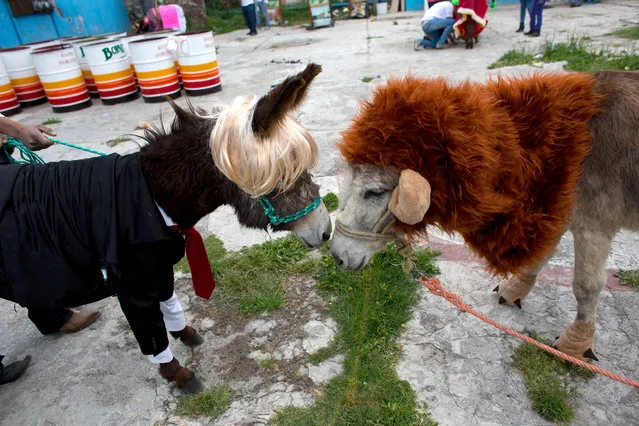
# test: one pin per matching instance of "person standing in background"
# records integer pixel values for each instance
(536, 12)
(262, 8)
(524, 5)
(248, 10)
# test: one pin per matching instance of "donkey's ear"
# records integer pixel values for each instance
(184, 117)
(411, 199)
(284, 97)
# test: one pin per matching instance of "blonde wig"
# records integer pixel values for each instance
(260, 164)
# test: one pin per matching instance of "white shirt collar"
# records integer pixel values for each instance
(167, 219)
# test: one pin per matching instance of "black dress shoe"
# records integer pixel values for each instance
(14, 370)
(520, 29)
(534, 34)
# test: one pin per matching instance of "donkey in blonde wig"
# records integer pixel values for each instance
(258, 145)
(114, 225)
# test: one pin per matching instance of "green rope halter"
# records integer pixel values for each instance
(276, 219)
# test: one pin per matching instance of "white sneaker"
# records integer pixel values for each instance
(417, 45)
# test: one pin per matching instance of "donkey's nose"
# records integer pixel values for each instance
(326, 236)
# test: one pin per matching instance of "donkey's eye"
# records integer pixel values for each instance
(373, 193)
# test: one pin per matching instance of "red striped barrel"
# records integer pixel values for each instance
(61, 77)
(198, 63)
(171, 34)
(78, 47)
(23, 75)
(126, 41)
(8, 100)
(111, 69)
(155, 67)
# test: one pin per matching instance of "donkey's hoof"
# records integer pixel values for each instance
(590, 354)
(513, 290)
(578, 341)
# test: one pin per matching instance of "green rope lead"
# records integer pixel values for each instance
(81, 148)
(29, 157)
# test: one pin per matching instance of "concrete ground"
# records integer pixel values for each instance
(460, 367)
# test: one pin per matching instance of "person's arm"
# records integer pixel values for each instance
(33, 137)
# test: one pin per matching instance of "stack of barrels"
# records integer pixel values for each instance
(115, 68)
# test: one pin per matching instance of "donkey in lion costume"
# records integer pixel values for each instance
(510, 165)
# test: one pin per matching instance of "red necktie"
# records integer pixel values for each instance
(201, 274)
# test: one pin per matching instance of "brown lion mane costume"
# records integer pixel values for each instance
(503, 158)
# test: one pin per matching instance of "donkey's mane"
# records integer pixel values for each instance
(190, 123)
(179, 168)
(503, 159)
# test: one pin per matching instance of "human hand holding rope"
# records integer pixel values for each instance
(33, 137)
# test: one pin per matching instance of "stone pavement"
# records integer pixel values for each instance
(458, 366)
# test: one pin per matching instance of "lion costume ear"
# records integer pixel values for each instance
(411, 199)
(284, 97)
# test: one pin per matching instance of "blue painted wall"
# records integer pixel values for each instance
(79, 18)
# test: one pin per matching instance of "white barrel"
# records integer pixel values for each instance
(198, 62)
(155, 67)
(61, 78)
(78, 47)
(111, 69)
(162, 33)
(23, 75)
(169, 33)
(126, 41)
(8, 100)
(115, 36)
(44, 43)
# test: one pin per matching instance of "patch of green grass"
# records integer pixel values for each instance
(306, 267)
(370, 308)
(296, 15)
(629, 278)
(512, 58)
(325, 353)
(268, 363)
(211, 403)
(331, 202)
(52, 120)
(548, 381)
(252, 278)
(226, 21)
(214, 248)
(367, 79)
(579, 54)
(267, 297)
(631, 33)
(118, 140)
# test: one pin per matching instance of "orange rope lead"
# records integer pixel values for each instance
(436, 288)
